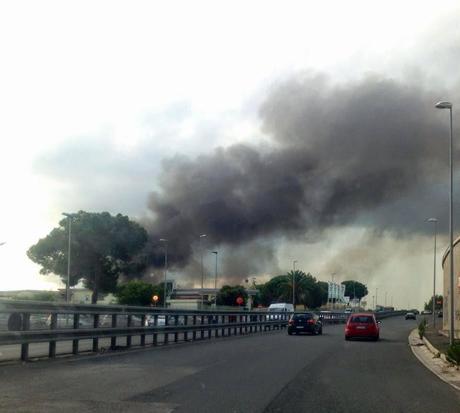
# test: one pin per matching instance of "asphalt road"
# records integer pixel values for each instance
(270, 372)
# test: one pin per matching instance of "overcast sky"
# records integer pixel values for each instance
(95, 97)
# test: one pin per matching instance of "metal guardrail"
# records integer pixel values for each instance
(27, 322)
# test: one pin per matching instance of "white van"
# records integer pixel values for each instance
(279, 308)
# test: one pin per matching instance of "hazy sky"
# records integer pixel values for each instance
(94, 95)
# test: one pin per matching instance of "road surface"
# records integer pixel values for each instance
(270, 372)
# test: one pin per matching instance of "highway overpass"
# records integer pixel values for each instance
(263, 372)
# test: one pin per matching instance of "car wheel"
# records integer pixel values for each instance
(290, 333)
(320, 332)
(347, 338)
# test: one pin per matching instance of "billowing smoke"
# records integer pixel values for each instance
(371, 153)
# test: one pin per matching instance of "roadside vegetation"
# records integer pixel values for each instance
(109, 254)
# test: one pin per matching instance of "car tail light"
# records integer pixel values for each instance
(291, 322)
(311, 321)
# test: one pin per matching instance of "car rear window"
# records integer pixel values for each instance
(302, 316)
(362, 319)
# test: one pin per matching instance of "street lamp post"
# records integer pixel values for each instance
(333, 289)
(376, 295)
(69, 230)
(202, 268)
(215, 274)
(165, 241)
(448, 105)
(293, 283)
(435, 221)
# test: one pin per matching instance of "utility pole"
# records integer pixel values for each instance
(165, 241)
(202, 269)
(293, 283)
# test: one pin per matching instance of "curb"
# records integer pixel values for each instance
(414, 343)
(434, 350)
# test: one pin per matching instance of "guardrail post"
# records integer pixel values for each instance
(216, 330)
(209, 326)
(128, 337)
(223, 321)
(52, 344)
(76, 324)
(245, 324)
(194, 331)
(95, 339)
(166, 335)
(25, 325)
(155, 335)
(202, 330)
(176, 323)
(185, 324)
(143, 318)
(113, 340)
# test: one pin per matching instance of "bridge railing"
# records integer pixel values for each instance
(27, 322)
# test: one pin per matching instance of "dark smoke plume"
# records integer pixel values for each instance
(362, 153)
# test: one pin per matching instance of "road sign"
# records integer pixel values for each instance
(155, 298)
(239, 300)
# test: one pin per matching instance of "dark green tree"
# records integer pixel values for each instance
(437, 305)
(274, 290)
(309, 292)
(102, 248)
(136, 292)
(320, 294)
(355, 289)
(228, 295)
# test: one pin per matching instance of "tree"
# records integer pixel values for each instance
(437, 305)
(228, 295)
(355, 289)
(320, 294)
(136, 293)
(102, 248)
(309, 292)
(273, 290)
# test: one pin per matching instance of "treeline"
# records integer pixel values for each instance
(309, 292)
(107, 249)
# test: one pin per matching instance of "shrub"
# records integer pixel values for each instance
(135, 293)
(422, 328)
(453, 353)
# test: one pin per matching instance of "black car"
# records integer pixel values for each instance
(305, 323)
(410, 316)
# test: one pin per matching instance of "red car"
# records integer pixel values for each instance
(362, 325)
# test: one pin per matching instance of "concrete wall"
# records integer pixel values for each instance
(446, 288)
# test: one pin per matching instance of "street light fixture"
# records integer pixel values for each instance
(165, 241)
(293, 283)
(202, 268)
(448, 105)
(435, 221)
